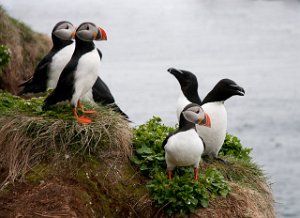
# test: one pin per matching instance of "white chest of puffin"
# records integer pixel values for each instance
(184, 147)
(59, 61)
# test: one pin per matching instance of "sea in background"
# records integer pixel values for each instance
(254, 42)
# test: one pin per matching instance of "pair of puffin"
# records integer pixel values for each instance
(72, 58)
(210, 136)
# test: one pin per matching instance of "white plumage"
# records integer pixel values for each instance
(184, 149)
(181, 103)
(59, 61)
(86, 74)
(214, 136)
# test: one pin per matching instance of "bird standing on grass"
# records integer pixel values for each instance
(184, 147)
(80, 74)
(213, 105)
(48, 70)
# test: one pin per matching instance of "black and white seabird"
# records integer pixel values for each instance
(49, 68)
(184, 147)
(213, 105)
(81, 73)
(189, 87)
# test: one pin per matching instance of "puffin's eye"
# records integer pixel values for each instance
(67, 27)
(197, 112)
(87, 28)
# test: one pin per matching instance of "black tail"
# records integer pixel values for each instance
(116, 108)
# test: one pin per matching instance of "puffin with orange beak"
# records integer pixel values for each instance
(49, 68)
(184, 147)
(81, 73)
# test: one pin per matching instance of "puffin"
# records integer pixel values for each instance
(81, 72)
(184, 147)
(48, 70)
(213, 105)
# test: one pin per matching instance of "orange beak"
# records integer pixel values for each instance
(73, 34)
(103, 34)
(206, 121)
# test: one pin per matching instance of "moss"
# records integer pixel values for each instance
(38, 173)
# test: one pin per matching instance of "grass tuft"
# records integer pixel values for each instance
(30, 136)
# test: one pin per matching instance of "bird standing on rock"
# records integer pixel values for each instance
(81, 73)
(48, 70)
(184, 147)
(213, 105)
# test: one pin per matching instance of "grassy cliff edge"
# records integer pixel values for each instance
(51, 166)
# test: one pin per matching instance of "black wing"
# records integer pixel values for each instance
(38, 82)
(102, 94)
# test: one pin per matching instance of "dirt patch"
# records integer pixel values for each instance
(49, 199)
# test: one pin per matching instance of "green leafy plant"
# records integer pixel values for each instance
(4, 56)
(232, 147)
(183, 195)
(149, 154)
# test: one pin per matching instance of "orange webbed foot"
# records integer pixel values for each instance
(84, 120)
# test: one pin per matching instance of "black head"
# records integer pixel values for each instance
(88, 31)
(188, 83)
(224, 89)
(64, 30)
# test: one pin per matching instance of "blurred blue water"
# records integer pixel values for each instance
(255, 43)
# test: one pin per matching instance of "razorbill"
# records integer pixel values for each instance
(213, 105)
(189, 87)
(49, 68)
(81, 73)
(184, 147)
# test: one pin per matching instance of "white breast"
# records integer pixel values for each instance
(184, 149)
(86, 74)
(59, 61)
(181, 103)
(214, 137)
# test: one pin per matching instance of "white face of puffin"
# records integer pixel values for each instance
(88, 32)
(196, 114)
(64, 30)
